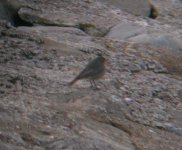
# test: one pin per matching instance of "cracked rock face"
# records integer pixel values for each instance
(138, 104)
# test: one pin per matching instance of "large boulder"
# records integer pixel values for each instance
(97, 18)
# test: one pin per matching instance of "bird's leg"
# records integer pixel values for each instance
(91, 82)
(95, 86)
(94, 83)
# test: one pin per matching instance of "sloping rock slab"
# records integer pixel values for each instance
(66, 39)
(124, 30)
(159, 40)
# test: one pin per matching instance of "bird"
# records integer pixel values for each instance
(94, 70)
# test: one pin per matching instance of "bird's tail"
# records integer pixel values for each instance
(72, 82)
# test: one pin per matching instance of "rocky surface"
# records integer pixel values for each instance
(43, 46)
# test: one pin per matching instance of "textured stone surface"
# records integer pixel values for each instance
(138, 106)
(159, 40)
(141, 7)
(96, 19)
(65, 40)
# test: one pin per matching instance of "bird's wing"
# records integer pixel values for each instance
(86, 73)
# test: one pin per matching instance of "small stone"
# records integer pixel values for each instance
(151, 131)
(135, 68)
(128, 100)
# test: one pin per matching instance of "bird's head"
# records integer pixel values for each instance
(101, 57)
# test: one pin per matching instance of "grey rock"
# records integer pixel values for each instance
(159, 40)
(153, 66)
(32, 16)
(138, 105)
(69, 14)
(85, 143)
(179, 107)
(70, 40)
(8, 10)
(170, 127)
(131, 6)
(135, 68)
(124, 30)
(13, 138)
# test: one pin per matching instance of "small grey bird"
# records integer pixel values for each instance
(93, 71)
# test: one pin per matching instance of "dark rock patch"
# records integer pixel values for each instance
(153, 12)
(9, 12)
